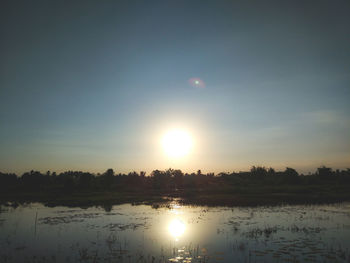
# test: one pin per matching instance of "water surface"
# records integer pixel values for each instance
(126, 233)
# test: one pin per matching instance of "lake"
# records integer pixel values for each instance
(175, 233)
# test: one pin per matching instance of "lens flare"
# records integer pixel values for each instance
(196, 82)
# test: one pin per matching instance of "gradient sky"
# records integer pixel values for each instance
(91, 85)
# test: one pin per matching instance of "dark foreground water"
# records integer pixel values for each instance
(126, 233)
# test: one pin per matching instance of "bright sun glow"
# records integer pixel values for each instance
(176, 228)
(177, 143)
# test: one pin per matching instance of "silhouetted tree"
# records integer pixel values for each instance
(7, 181)
(107, 179)
(258, 171)
(271, 171)
(324, 171)
(178, 178)
(290, 172)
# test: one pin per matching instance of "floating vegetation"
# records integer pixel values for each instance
(306, 230)
(140, 234)
(258, 232)
(74, 218)
(119, 226)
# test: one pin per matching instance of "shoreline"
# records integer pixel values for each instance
(106, 199)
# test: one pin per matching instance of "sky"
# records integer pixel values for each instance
(91, 85)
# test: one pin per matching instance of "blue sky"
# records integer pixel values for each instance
(88, 86)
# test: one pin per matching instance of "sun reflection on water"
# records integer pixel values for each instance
(177, 228)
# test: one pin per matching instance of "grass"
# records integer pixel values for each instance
(250, 195)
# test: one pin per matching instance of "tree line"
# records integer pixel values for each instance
(165, 180)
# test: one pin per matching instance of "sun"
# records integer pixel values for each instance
(177, 143)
